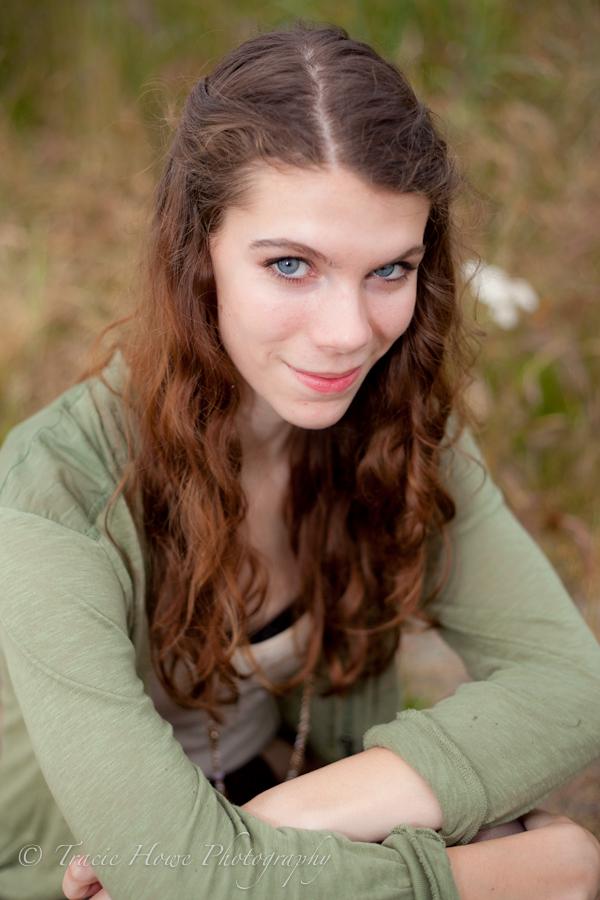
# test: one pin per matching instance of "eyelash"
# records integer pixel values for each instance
(271, 263)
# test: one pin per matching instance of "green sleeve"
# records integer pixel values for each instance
(121, 780)
(530, 720)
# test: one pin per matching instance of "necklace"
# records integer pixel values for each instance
(298, 752)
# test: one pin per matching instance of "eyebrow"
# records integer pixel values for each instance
(283, 244)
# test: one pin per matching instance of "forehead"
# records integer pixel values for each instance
(330, 206)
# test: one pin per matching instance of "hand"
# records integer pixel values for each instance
(81, 881)
(539, 818)
(555, 858)
(586, 847)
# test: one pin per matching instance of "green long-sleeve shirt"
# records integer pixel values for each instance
(87, 761)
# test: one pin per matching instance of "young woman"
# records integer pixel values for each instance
(212, 545)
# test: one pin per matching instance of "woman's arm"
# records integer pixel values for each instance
(362, 796)
(555, 860)
(124, 785)
(530, 721)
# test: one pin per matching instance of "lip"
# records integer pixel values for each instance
(327, 382)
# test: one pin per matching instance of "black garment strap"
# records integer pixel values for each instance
(279, 623)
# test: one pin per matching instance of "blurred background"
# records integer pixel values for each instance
(90, 92)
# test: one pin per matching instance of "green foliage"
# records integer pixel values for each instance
(412, 702)
(58, 56)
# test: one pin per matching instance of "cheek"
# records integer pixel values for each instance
(393, 318)
(252, 322)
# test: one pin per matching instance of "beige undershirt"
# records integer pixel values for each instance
(250, 724)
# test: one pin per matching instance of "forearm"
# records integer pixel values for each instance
(363, 797)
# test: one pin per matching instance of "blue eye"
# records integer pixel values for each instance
(288, 266)
(291, 267)
(386, 271)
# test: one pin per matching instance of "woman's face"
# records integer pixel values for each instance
(316, 278)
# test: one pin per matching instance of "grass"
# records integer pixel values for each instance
(88, 95)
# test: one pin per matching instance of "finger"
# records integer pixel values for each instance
(80, 881)
(77, 891)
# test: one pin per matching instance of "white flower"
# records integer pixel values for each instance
(503, 295)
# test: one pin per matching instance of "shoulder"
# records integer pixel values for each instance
(466, 476)
(479, 505)
(64, 462)
(62, 541)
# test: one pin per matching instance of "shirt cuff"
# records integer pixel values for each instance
(425, 747)
(428, 866)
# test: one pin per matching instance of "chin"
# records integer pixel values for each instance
(315, 416)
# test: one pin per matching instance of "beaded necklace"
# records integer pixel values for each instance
(298, 752)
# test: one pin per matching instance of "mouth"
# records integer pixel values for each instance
(327, 382)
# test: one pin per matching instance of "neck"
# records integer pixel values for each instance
(263, 433)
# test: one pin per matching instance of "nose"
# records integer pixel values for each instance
(341, 322)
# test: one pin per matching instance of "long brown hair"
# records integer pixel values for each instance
(364, 494)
